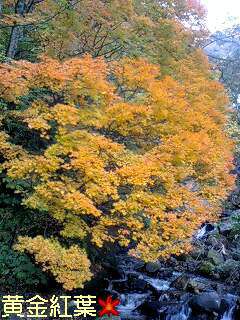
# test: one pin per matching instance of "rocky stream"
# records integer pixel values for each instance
(201, 286)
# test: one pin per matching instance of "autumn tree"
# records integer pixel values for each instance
(15, 17)
(20, 20)
(161, 31)
(158, 30)
(112, 153)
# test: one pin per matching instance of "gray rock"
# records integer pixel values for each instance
(138, 264)
(152, 267)
(209, 301)
(197, 286)
(181, 282)
(150, 309)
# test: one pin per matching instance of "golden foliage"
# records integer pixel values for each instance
(142, 158)
(70, 266)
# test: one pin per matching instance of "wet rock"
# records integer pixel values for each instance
(112, 271)
(197, 286)
(152, 267)
(209, 227)
(190, 265)
(224, 305)
(181, 282)
(209, 301)
(172, 261)
(139, 285)
(165, 274)
(121, 286)
(215, 257)
(237, 310)
(139, 264)
(150, 309)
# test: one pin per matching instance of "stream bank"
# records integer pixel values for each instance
(203, 285)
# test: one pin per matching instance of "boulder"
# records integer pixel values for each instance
(181, 282)
(237, 311)
(138, 264)
(121, 286)
(208, 301)
(150, 309)
(224, 305)
(139, 285)
(197, 286)
(152, 267)
(209, 227)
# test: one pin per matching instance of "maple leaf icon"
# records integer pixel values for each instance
(108, 306)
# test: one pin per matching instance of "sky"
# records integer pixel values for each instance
(221, 13)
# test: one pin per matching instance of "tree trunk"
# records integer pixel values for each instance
(15, 37)
(16, 32)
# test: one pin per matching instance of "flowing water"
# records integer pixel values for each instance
(129, 303)
(182, 314)
(204, 230)
(166, 307)
(229, 314)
